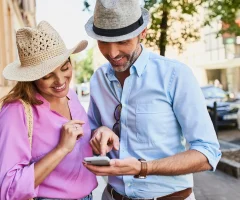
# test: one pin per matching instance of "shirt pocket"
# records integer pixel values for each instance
(152, 121)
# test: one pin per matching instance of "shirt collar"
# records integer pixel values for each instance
(140, 64)
(46, 103)
(110, 73)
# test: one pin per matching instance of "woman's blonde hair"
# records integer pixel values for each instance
(22, 90)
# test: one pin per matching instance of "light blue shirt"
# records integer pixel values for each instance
(162, 108)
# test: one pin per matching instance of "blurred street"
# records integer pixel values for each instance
(203, 35)
(84, 101)
(229, 135)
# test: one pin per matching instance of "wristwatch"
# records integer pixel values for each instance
(143, 171)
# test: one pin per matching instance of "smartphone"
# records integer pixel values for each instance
(98, 160)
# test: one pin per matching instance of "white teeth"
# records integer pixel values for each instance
(61, 87)
(118, 59)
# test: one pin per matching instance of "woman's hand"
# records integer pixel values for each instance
(70, 133)
(104, 140)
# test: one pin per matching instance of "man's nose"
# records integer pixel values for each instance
(113, 51)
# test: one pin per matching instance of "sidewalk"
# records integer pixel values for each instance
(216, 186)
(97, 193)
(229, 135)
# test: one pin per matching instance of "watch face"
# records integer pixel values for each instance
(139, 177)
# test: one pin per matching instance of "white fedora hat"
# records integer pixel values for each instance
(117, 20)
(41, 50)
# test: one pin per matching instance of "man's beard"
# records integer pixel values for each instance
(130, 60)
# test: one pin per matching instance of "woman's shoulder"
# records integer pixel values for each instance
(10, 111)
(13, 106)
(72, 95)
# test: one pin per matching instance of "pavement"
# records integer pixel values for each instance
(216, 186)
(229, 134)
(97, 193)
(207, 185)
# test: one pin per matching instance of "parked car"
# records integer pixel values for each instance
(226, 109)
(83, 89)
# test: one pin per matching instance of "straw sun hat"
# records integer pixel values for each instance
(117, 20)
(41, 50)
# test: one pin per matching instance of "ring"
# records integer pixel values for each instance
(75, 127)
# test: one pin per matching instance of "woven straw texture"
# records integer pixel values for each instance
(41, 50)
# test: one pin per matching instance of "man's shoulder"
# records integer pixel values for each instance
(164, 64)
(102, 69)
(168, 61)
(99, 73)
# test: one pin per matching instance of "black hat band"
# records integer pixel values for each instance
(120, 31)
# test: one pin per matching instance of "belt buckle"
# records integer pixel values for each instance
(112, 193)
(155, 198)
(113, 196)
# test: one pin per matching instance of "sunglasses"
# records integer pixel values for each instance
(117, 115)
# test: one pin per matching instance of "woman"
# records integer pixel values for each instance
(52, 168)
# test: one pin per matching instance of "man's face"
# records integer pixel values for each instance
(121, 54)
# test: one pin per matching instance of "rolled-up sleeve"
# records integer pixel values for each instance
(191, 111)
(16, 175)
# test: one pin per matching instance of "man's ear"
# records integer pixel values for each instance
(143, 34)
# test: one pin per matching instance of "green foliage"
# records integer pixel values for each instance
(173, 22)
(225, 11)
(84, 68)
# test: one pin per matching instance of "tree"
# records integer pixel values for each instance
(84, 68)
(225, 11)
(173, 22)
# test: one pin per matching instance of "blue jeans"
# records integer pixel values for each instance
(89, 197)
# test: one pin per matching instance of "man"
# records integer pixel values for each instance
(143, 109)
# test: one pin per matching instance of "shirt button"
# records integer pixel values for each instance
(129, 184)
(118, 85)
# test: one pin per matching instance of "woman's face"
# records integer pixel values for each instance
(56, 83)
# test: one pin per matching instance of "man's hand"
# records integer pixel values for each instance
(127, 166)
(104, 140)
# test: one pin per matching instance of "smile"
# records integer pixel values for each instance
(117, 62)
(117, 59)
(60, 88)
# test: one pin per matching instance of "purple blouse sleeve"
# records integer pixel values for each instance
(16, 175)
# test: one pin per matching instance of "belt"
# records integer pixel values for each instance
(180, 195)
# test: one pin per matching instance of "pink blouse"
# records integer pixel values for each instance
(70, 179)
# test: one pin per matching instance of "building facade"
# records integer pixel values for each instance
(214, 58)
(14, 14)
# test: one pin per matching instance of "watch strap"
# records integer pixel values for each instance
(143, 171)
